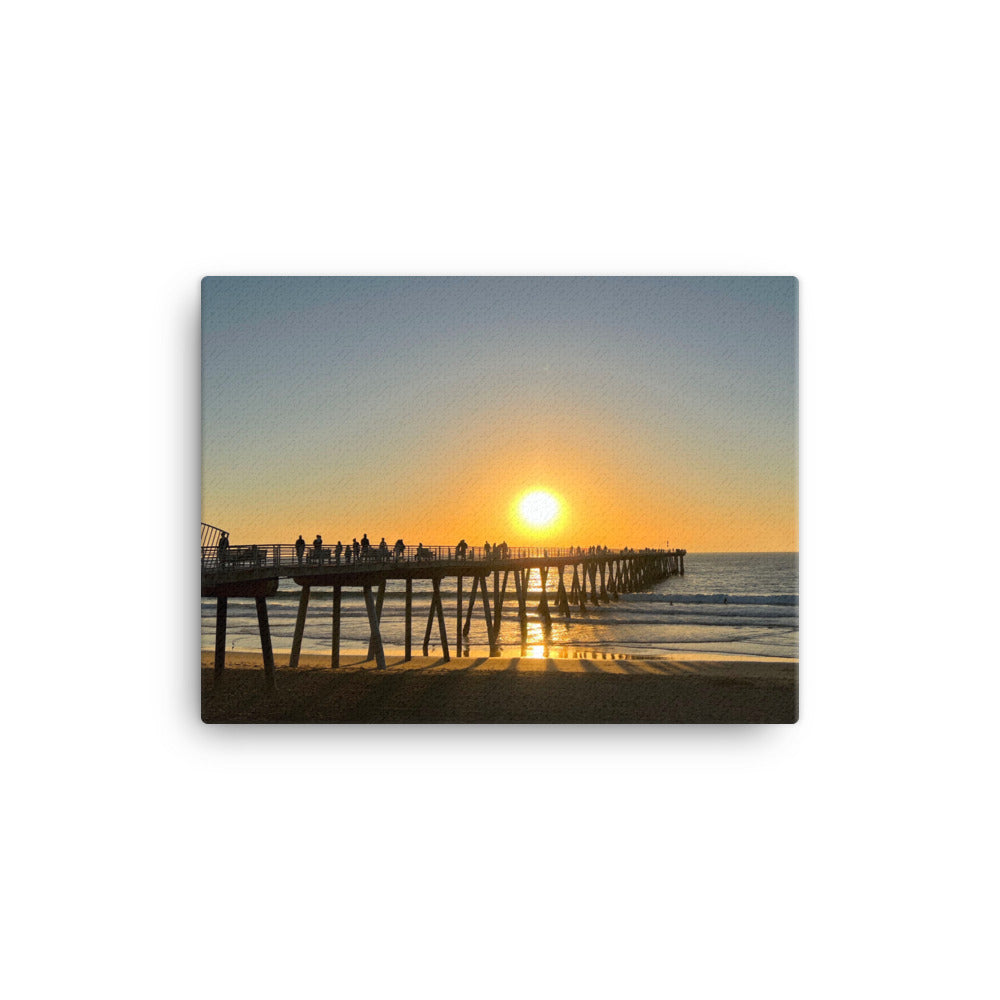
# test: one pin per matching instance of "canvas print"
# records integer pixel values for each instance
(499, 500)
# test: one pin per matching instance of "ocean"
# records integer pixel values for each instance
(726, 604)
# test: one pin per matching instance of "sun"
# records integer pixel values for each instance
(538, 509)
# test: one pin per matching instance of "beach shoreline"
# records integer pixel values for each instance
(393, 653)
(481, 689)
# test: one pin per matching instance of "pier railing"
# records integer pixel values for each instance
(216, 558)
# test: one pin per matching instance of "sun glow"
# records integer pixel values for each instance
(538, 509)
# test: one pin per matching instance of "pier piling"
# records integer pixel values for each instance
(300, 624)
(265, 642)
(220, 635)
(335, 642)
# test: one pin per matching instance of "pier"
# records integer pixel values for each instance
(570, 578)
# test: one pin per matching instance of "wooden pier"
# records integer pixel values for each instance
(570, 578)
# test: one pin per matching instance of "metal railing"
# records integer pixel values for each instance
(210, 534)
(215, 558)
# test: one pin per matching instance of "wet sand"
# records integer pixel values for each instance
(428, 689)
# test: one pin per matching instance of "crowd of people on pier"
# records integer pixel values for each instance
(340, 554)
(499, 550)
(363, 551)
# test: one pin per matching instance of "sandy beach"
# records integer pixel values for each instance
(502, 690)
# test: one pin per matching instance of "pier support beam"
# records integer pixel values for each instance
(258, 590)
(300, 625)
(472, 602)
(487, 614)
(440, 617)
(543, 604)
(378, 617)
(561, 597)
(498, 595)
(436, 611)
(430, 625)
(221, 604)
(375, 644)
(265, 642)
(335, 644)
(522, 609)
(408, 635)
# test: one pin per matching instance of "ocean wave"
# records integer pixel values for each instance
(289, 600)
(783, 600)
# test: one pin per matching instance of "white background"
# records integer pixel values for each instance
(851, 145)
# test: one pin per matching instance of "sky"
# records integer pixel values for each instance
(657, 411)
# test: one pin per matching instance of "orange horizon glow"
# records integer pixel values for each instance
(584, 517)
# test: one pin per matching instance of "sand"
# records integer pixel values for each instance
(428, 689)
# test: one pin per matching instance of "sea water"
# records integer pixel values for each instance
(725, 604)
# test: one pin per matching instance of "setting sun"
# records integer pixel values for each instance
(538, 509)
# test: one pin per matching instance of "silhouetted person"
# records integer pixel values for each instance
(383, 549)
(357, 549)
(398, 548)
(318, 548)
(300, 548)
(224, 547)
(338, 550)
(486, 549)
